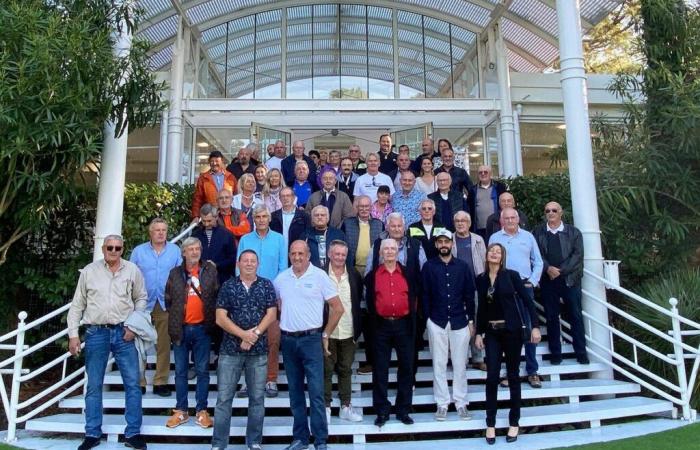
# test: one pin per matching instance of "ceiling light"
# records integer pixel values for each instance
(562, 126)
(474, 155)
(202, 144)
(477, 143)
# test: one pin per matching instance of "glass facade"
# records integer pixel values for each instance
(339, 51)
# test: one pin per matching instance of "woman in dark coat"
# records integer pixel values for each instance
(504, 315)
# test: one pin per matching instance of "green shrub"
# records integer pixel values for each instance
(532, 192)
(143, 202)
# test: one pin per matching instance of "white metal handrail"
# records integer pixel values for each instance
(72, 382)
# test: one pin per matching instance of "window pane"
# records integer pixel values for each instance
(326, 57)
(542, 145)
(226, 140)
(299, 45)
(268, 54)
(411, 57)
(464, 63)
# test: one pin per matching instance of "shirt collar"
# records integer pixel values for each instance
(557, 229)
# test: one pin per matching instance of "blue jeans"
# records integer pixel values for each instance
(303, 356)
(531, 364)
(196, 340)
(229, 372)
(99, 342)
(552, 291)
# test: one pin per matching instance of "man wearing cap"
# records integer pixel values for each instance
(210, 183)
(448, 305)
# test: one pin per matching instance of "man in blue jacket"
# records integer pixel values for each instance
(218, 245)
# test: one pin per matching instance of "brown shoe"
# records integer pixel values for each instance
(503, 383)
(479, 366)
(177, 419)
(203, 419)
(534, 381)
(365, 370)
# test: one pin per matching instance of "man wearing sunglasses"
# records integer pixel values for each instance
(561, 246)
(483, 200)
(108, 291)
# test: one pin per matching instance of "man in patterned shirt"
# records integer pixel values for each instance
(246, 306)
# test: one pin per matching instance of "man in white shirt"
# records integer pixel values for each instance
(275, 162)
(369, 183)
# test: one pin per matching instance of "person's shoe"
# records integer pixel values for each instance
(271, 389)
(405, 419)
(512, 438)
(504, 383)
(162, 390)
(255, 447)
(177, 419)
(490, 440)
(534, 381)
(328, 415)
(350, 414)
(320, 447)
(297, 445)
(479, 366)
(143, 390)
(136, 442)
(191, 374)
(441, 414)
(583, 359)
(203, 419)
(365, 369)
(555, 360)
(242, 392)
(381, 420)
(463, 413)
(89, 442)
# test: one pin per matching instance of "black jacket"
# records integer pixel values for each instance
(221, 250)
(297, 227)
(571, 242)
(507, 288)
(417, 231)
(460, 178)
(356, 286)
(332, 234)
(456, 201)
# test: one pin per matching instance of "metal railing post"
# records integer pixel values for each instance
(16, 374)
(680, 359)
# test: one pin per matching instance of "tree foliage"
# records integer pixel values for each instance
(60, 81)
(611, 46)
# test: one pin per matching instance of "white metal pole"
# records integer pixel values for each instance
(508, 161)
(173, 171)
(110, 196)
(581, 172)
(16, 383)
(163, 147)
(518, 144)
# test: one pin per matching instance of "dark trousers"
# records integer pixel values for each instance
(396, 334)
(340, 360)
(368, 333)
(552, 291)
(499, 342)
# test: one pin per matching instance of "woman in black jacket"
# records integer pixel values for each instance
(504, 309)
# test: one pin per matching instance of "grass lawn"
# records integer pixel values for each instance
(679, 439)
(7, 447)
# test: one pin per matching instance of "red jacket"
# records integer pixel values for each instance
(205, 191)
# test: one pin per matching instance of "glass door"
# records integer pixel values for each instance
(264, 135)
(413, 137)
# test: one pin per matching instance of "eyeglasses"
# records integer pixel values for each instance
(427, 208)
(547, 211)
(113, 248)
(483, 172)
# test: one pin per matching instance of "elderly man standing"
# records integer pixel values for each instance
(483, 200)
(369, 183)
(272, 256)
(234, 220)
(447, 200)
(493, 223)
(290, 221)
(246, 307)
(523, 256)
(210, 183)
(275, 161)
(358, 164)
(403, 165)
(342, 342)
(303, 290)
(156, 258)
(448, 306)
(428, 148)
(243, 163)
(561, 246)
(218, 244)
(391, 298)
(108, 292)
(337, 202)
(407, 200)
(190, 295)
(289, 163)
(426, 227)
(302, 185)
(459, 177)
(347, 178)
(320, 235)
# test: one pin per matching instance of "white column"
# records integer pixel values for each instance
(173, 170)
(110, 194)
(507, 163)
(518, 144)
(163, 147)
(581, 173)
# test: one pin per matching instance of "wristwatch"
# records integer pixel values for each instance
(257, 332)
(324, 335)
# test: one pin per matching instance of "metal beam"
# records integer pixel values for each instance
(370, 105)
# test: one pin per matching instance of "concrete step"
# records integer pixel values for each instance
(589, 411)
(421, 396)
(424, 373)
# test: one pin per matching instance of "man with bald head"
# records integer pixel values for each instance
(428, 147)
(303, 290)
(289, 163)
(483, 199)
(493, 223)
(447, 201)
(275, 161)
(243, 163)
(561, 246)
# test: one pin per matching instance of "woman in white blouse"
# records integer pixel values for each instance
(426, 180)
(246, 200)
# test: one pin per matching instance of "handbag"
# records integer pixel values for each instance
(525, 328)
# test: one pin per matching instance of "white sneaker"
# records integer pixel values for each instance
(328, 415)
(349, 413)
(463, 413)
(441, 414)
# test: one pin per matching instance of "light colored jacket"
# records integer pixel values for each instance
(139, 322)
(478, 253)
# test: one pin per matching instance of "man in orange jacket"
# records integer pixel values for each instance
(211, 182)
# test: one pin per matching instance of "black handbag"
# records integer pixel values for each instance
(525, 328)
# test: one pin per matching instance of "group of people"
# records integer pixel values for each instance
(306, 264)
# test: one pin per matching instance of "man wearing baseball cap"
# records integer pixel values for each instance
(448, 305)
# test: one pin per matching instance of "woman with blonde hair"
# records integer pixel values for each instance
(246, 199)
(270, 194)
(260, 177)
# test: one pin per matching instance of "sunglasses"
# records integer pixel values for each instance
(547, 211)
(114, 248)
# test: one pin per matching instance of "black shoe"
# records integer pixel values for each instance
(89, 442)
(510, 438)
(381, 420)
(143, 390)
(162, 390)
(555, 360)
(583, 360)
(136, 442)
(405, 419)
(491, 440)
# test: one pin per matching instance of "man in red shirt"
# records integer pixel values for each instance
(391, 301)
